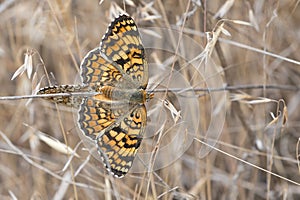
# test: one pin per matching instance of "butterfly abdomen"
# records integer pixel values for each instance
(63, 100)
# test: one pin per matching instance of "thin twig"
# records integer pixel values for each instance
(248, 163)
(232, 88)
(85, 94)
(175, 90)
(38, 166)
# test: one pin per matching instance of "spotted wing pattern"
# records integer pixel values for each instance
(119, 143)
(97, 70)
(122, 45)
(98, 113)
(116, 125)
(115, 118)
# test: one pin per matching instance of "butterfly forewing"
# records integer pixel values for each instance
(122, 44)
(97, 70)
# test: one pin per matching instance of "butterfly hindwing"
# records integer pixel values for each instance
(118, 145)
(98, 113)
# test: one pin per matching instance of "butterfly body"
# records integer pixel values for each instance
(131, 95)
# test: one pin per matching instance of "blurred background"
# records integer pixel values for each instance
(252, 48)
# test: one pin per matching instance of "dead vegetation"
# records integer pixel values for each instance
(237, 99)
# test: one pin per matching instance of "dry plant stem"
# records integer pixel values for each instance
(297, 154)
(204, 3)
(167, 86)
(244, 46)
(66, 142)
(271, 155)
(169, 191)
(259, 51)
(218, 48)
(270, 161)
(62, 32)
(269, 158)
(179, 90)
(57, 108)
(248, 163)
(257, 153)
(86, 94)
(76, 39)
(262, 67)
(31, 162)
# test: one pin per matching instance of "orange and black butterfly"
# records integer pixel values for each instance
(115, 118)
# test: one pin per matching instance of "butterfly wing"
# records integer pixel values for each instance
(122, 45)
(119, 143)
(94, 69)
(98, 113)
(116, 128)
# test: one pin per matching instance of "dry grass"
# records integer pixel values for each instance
(257, 68)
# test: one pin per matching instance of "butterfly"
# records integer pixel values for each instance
(115, 117)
